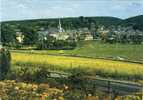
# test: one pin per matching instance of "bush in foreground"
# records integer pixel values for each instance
(4, 62)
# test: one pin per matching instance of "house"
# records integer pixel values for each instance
(73, 35)
(62, 36)
(19, 37)
(85, 34)
(88, 37)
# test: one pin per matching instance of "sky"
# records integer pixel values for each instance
(36, 9)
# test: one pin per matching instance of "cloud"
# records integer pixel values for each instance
(21, 6)
(28, 9)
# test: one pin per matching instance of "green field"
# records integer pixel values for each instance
(98, 49)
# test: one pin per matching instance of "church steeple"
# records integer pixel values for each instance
(60, 27)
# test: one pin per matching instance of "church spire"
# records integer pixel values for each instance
(60, 26)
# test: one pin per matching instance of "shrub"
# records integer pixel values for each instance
(41, 75)
(5, 58)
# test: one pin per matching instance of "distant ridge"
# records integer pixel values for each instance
(45, 19)
(136, 21)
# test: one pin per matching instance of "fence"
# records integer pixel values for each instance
(92, 83)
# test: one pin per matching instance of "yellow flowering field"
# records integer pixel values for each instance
(91, 65)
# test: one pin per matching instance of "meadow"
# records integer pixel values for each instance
(97, 49)
(101, 67)
(131, 52)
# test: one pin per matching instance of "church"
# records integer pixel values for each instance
(61, 34)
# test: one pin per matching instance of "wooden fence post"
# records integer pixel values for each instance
(142, 93)
(109, 89)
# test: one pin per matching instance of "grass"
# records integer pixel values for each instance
(98, 49)
(92, 66)
(29, 65)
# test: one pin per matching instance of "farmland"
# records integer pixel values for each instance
(87, 61)
(34, 65)
(98, 49)
(105, 68)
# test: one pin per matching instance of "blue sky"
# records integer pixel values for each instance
(35, 9)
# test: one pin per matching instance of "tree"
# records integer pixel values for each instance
(30, 35)
(46, 42)
(4, 62)
(7, 34)
(136, 38)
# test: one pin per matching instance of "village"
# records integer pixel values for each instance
(111, 34)
(71, 50)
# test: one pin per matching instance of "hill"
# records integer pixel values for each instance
(71, 22)
(106, 21)
(136, 22)
(78, 22)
